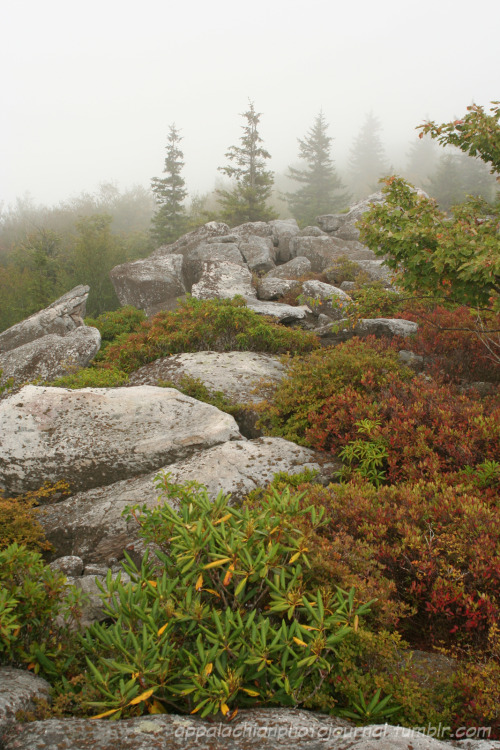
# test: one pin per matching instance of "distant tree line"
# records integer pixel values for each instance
(46, 251)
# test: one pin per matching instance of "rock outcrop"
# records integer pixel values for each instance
(90, 524)
(61, 317)
(50, 356)
(95, 436)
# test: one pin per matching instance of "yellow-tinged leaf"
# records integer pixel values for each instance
(356, 623)
(308, 627)
(199, 582)
(161, 630)
(299, 642)
(211, 591)
(217, 563)
(228, 576)
(294, 557)
(133, 676)
(31, 665)
(106, 713)
(224, 518)
(197, 708)
(224, 708)
(252, 693)
(153, 583)
(156, 708)
(208, 669)
(142, 697)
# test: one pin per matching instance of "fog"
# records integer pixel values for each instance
(90, 88)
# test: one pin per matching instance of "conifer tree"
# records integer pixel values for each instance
(367, 161)
(247, 201)
(170, 220)
(320, 183)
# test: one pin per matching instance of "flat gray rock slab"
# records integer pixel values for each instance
(50, 356)
(90, 524)
(18, 688)
(235, 374)
(282, 313)
(62, 316)
(223, 280)
(263, 728)
(96, 436)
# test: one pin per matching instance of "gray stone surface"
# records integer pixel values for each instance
(90, 524)
(92, 604)
(50, 356)
(214, 252)
(386, 327)
(96, 436)
(293, 269)
(258, 253)
(151, 284)
(410, 359)
(283, 231)
(235, 374)
(61, 317)
(272, 288)
(70, 565)
(263, 728)
(376, 270)
(282, 313)
(18, 689)
(343, 225)
(312, 232)
(322, 251)
(324, 295)
(223, 280)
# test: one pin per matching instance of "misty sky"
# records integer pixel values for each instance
(90, 88)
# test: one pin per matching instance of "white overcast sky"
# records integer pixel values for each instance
(89, 88)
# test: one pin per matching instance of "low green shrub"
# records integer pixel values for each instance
(37, 611)
(197, 389)
(92, 377)
(224, 615)
(20, 517)
(201, 325)
(116, 324)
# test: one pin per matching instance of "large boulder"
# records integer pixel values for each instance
(223, 280)
(95, 436)
(263, 728)
(213, 252)
(280, 312)
(344, 226)
(283, 231)
(321, 296)
(90, 524)
(151, 284)
(50, 356)
(323, 251)
(234, 374)
(61, 317)
(293, 269)
(272, 288)
(258, 253)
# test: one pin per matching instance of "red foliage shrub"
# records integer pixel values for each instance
(438, 545)
(427, 428)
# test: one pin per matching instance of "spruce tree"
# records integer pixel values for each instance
(320, 183)
(170, 221)
(247, 201)
(367, 161)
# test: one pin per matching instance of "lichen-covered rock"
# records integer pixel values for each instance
(344, 226)
(90, 524)
(282, 313)
(293, 269)
(376, 270)
(283, 231)
(214, 252)
(386, 327)
(151, 284)
(18, 690)
(223, 280)
(272, 288)
(258, 253)
(262, 728)
(61, 317)
(70, 565)
(321, 296)
(96, 436)
(50, 356)
(323, 251)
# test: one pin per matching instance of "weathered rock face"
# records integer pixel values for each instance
(90, 524)
(270, 288)
(376, 270)
(96, 436)
(18, 690)
(50, 356)
(263, 728)
(151, 284)
(61, 317)
(222, 280)
(379, 327)
(283, 231)
(323, 295)
(343, 226)
(293, 269)
(214, 252)
(323, 251)
(258, 253)
(282, 313)
(235, 374)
